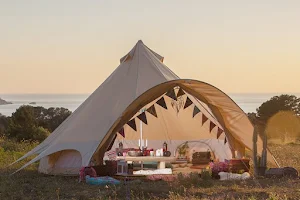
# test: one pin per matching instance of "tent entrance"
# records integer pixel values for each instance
(174, 117)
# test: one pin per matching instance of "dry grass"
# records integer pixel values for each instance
(28, 184)
(287, 155)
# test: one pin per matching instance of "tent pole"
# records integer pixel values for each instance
(141, 135)
(141, 131)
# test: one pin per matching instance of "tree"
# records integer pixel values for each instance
(22, 124)
(4, 121)
(35, 123)
(252, 117)
(40, 134)
(278, 103)
(53, 117)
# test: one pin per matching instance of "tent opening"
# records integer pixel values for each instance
(175, 117)
(61, 163)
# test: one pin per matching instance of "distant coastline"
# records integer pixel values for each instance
(3, 102)
(248, 102)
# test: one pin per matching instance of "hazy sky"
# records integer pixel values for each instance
(72, 46)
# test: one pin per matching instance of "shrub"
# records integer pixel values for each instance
(40, 134)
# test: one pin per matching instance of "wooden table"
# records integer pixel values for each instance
(161, 160)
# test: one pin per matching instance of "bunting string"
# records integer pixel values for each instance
(177, 103)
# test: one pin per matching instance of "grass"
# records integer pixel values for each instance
(28, 184)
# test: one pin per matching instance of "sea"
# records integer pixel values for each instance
(248, 102)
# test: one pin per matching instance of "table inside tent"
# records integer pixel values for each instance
(161, 161)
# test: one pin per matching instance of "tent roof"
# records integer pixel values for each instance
(140, 77)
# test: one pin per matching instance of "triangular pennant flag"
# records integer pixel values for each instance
(204, 119)
(211, 126)
(143, 117)
(122, 132)
(188, 102)
(171, 94)
(132, 124)
(180, 92)
(196, 111)
(225, 141)
(162, 102)
(220, 131)
(152, 111)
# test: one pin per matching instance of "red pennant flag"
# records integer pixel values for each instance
(152, 111)
(187, 103)
(220, 131)
(204, 119)
(132, 124)
(122, 132)
(143, 117)
(211, 126)
(162, 103)
(225, 141)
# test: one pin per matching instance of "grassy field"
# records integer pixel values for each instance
(28, 184)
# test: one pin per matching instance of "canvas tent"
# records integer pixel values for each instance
(140, 81)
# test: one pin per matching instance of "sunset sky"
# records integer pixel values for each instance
(72, 46)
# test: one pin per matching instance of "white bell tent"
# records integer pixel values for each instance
(174, 110)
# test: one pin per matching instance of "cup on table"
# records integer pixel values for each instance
(151, 153)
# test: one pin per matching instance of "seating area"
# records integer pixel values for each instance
(144, 164)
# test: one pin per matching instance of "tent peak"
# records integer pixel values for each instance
(139, 46)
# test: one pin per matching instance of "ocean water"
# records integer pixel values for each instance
(248, 102)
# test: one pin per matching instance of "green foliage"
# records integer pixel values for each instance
(13, 145)
(33, 123)
(22, 124)
(278, 103)
(50, 118)
(40, 134)
(11, 150)
(4, 121)
(206, 175)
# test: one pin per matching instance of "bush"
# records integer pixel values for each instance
(11, 150)
(40, 134)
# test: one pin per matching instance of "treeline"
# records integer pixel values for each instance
(32, 123)
(278, 117)
(36, 123)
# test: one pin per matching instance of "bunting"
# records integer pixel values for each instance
(122, 132)
(225, 141)
(220, 131)
(211, 126)
(171, 94)
(180, 92)
(188, 102)
(143, 117)
(132, 124)
(162, 103)
(152, 111)
(196, 111)
(204, 119)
